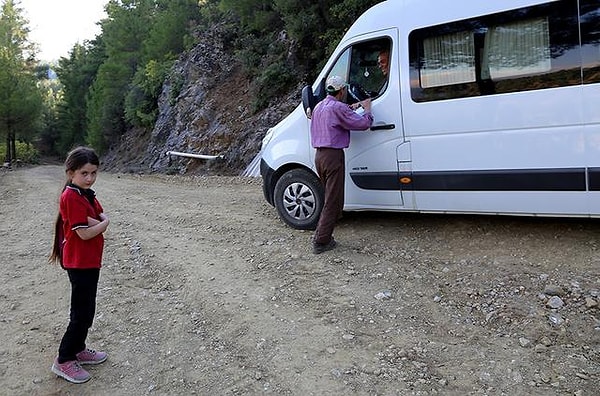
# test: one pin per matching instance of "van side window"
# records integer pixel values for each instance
(365, 66)
(526, 49)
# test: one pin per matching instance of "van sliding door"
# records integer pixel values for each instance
(494, 113)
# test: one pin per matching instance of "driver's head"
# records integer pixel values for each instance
(383, 62)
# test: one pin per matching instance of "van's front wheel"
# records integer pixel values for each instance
(298, 197)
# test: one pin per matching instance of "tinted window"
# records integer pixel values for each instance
(590, 40)
(526, 49)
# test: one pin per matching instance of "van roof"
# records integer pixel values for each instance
(408, 15)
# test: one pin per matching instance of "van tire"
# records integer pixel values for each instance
(298, 198)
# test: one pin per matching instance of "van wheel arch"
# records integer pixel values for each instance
(298, 197)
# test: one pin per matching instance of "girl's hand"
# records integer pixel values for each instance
(94, 228)
(104, 219)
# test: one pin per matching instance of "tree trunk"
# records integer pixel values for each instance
(7, 157)
(13, 148)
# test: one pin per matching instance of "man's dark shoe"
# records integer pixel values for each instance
(319, 248)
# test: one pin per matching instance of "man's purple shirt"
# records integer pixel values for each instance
(332, 122)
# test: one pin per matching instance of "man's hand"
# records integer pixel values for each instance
(366, 104)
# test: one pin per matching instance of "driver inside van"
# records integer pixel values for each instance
(383, 63)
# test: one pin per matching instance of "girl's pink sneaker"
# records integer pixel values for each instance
(89, 356)
(71, 371)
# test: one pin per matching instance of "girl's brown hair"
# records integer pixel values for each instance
(76, 159)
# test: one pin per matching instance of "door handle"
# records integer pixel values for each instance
(383, 127)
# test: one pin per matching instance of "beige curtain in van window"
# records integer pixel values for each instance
(517, 49)
(448, 59)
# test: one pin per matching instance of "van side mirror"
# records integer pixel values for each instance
(309, 100)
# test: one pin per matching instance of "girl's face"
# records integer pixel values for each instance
(85, 176)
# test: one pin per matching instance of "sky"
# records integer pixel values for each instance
(57, 25)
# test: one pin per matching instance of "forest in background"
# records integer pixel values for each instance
(111, 84)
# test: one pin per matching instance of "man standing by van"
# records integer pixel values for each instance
(332, 120)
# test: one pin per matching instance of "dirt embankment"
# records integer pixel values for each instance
(204, 291)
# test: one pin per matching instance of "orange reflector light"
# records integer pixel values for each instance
(405, 180)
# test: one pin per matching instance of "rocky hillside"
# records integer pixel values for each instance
(204, 108)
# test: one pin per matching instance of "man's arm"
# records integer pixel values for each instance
(351, 120)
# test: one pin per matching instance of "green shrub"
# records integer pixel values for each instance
(26, 153)
(276, 78)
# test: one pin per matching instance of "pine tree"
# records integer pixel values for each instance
(123, 33)
(20, 98)
(77, 74)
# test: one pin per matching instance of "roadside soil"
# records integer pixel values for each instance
(204, 291)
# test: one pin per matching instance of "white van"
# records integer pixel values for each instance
(489, 107)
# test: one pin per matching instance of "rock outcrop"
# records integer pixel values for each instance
(204, 108)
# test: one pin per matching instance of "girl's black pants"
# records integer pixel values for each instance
(84, 285)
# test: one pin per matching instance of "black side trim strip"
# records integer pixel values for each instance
(377, 181)
(502, 180)
(570, 179)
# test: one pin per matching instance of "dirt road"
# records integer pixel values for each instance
(204, 291)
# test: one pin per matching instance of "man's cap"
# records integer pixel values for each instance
(335, 83)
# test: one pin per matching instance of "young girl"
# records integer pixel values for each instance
(78, 245)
